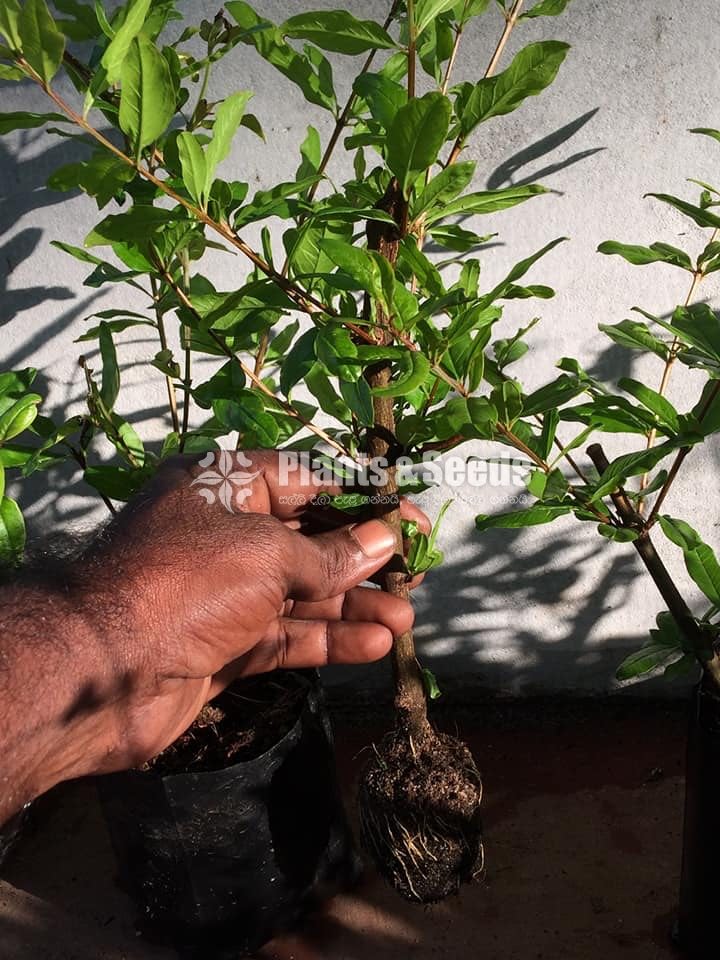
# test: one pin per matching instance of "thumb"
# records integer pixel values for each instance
(332, 563)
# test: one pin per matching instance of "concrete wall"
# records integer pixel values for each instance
(547, 609)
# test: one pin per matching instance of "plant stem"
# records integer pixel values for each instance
(410, 702)
(340, 125)
(669, 363)
(172, 400)
(681, 614)
(250, 374)
(511, 19)
(679, 458)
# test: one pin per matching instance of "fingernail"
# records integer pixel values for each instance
(375, 538)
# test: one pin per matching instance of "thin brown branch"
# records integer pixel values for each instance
(170, 386)
(249, 373)
(511, 18)
(669, 363)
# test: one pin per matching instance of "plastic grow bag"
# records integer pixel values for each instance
(220, 862)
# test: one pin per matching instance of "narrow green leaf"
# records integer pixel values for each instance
(42, 43)
(18, 416)
(413, 370)
(137, 224)
(247, 415)
(645, 660)
(635, 336)
(338, 31)
(358, 397)
(654, 402)
(228, 116)
(444, 187)
(531, 71)
(24, 121)
(703, 218)
(12, 532)
(194, 167)
(427, 10)
(357, 264)
(416, 136)
(11, 73)
(545, 8)
(432, 690)
(618, 534)
(9, 17)
(655, 253)
(119, 46)
(147, 96)
(110, 371)
(383, 96)
(487, 201)
(530, 517)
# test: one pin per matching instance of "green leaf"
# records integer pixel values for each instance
(11, 73)
(432, 690)
(247, 415)
(383, 96)
(553, 395)
(444, 187)
(700, 559)
(358, 397)
(336, 351)
(618, 534)
(357, 264)
(298, 363)
(110, 371)
(654, 402)
(24, 121)
(507, 399)
(655, 253)
(228, 116)
(338, 31)
(316, 84)
(530, 517)
(427, 10)
(703, 218)
(415, 137)
(119, 47)
(12, 532)
(9, 16)
(147, 96)
(531, 71)
(635, 336)
(18, 416)
(630, 465)
(117, 483)
(137, 224)
(194, 167)
(545, 8)
(487, 201)
(325, 393)
(413, 370)
(42, 43)
(648, 658)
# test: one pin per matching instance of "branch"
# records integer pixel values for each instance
(645, 548)
(249, 373)
(511, 19)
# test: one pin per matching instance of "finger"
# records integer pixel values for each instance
(327, 565)
(302, 644)
(362, 604)
(316, 643)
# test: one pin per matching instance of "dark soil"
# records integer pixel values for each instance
(420, 815)
(242, 723)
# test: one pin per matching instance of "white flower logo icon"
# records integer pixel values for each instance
(221, 480)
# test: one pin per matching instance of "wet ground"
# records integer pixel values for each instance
(583, 807)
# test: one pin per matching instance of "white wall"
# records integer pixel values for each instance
(546, 609)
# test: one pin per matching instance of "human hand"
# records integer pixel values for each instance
(213, 595)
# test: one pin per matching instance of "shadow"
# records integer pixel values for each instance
(14, 302)
(505, 174)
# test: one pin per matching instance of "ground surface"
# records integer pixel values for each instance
(582, 812)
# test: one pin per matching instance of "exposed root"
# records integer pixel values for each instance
(419, 815)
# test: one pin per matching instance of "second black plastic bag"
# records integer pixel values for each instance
(221, 861)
